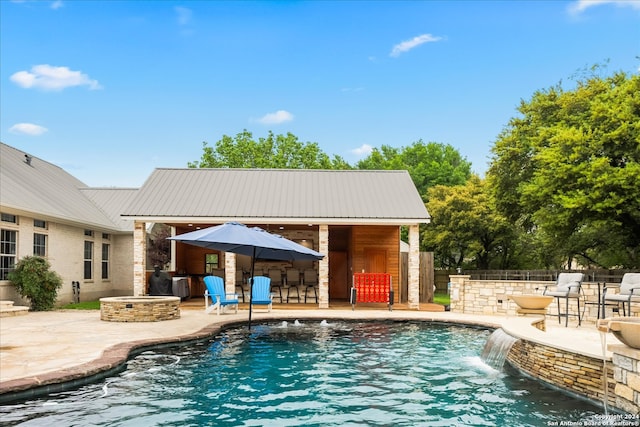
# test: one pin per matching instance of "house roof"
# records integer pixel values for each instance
(41, 189)
(111, 201)
(278, 196)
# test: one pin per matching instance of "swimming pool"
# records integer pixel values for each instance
(312, 374)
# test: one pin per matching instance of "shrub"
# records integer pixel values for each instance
(33, 279)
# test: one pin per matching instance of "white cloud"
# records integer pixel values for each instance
(28, 129)
(47, 77)
(407, 45)
(363, 150)
(279, 116)
(55, 4)
(184, 15)
(580, 6)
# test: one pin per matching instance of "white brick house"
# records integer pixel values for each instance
(46, 211)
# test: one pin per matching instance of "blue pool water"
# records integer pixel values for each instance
(339, 374)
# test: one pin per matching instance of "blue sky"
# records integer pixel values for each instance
(110, 90)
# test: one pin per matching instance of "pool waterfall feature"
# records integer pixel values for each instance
(497, 348)
(605, 382)
(496, 351)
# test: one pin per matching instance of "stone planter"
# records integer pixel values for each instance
(626, 329)
(532, 302)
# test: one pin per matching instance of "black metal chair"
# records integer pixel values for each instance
(275, 274)
(628, 292)
(567, 287)
(241, 288)
(310, 283)
(293, 282)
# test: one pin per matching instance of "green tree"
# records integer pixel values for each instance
(466, 230)
(33, 279)
(569, 167)
(428, 164)
(274, 151)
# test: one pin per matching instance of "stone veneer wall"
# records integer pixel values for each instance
(582, 375)
(139, 310)
(626, 373)
(491, 297)
(572, 372)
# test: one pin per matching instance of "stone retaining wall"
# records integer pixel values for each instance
(583, 375)
(139, 309)
(573, 372)
(491, 297)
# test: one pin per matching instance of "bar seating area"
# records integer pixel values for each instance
(291, 285)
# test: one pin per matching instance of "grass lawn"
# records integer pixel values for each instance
(86, 305)
(441, 298)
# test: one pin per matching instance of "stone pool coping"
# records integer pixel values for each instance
(40, 351)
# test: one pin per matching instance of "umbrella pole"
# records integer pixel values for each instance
(253, 262)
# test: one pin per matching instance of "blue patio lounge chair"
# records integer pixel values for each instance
(261, 292)
(219, 298)
(628, 292)
(566, 287)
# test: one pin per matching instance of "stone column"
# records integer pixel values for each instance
(414, 268)
(139, 258)
(457, 292)
(323, 267)
(172, 264)
(230, 272)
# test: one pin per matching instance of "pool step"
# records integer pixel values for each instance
(7, 309)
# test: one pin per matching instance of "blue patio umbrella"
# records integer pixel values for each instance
(251, 241)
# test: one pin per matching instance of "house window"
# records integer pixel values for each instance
(105, 261)
(38, 223)
(88, 260)
(40, 244)
(88, 233)
(9, 218)
(8, 239)
(210, 263)
(106, 236)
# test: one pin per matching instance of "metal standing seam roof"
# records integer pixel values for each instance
(45, 190)
(111, 201)
(286, 194)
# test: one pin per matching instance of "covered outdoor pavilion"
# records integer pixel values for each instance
(353, 217)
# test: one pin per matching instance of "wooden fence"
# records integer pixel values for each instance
(426, 277)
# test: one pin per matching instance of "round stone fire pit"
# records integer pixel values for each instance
(139, 309)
